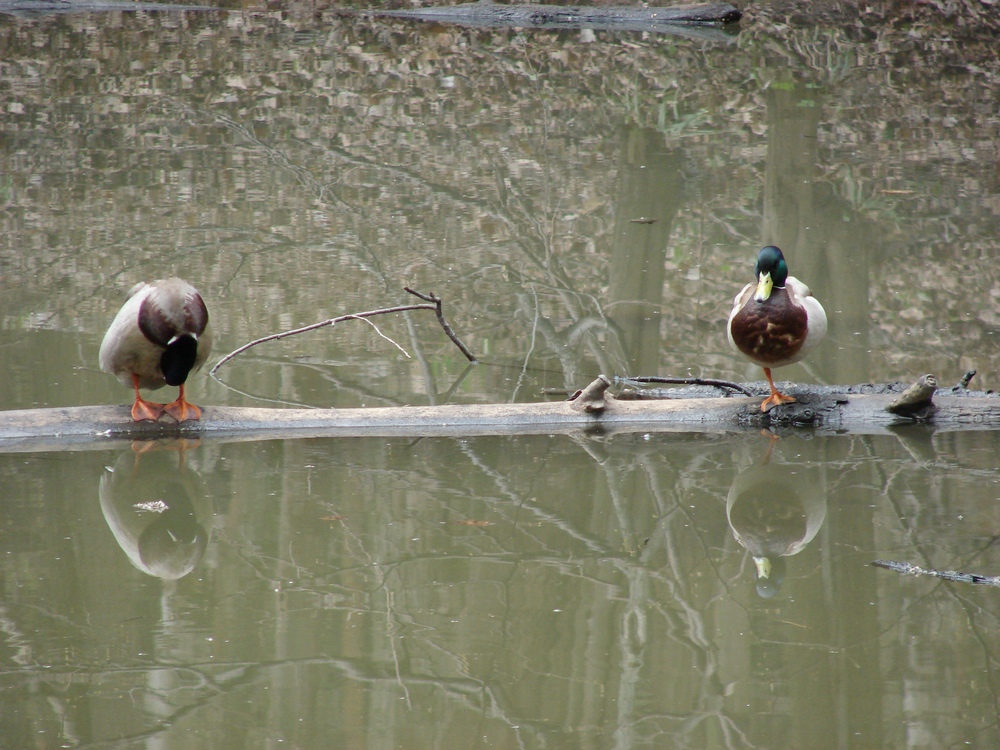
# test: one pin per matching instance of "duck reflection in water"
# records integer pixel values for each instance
(148, 499)
(774, 511)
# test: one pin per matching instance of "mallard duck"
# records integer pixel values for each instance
(776, 321)
(158, 338)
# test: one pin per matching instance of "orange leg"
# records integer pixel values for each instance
(776, 397)
(143, 409)
(182, 409)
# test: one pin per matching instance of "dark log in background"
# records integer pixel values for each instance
(35, 8)
(692, 20)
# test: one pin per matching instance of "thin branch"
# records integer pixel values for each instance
(688, 381)
(435, 306)
(313, 327)
(444, 323)
(379, 332)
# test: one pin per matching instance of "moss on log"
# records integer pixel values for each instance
(826, 413)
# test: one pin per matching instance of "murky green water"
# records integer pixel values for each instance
(519, 592)
(545, 591)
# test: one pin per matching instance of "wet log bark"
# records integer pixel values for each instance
(826, 413)
(487, 14)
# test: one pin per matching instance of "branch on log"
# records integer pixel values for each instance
(681, 381)
(966, 379)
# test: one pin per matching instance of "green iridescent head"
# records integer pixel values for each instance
(771, 271)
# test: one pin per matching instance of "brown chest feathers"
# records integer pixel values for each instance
(770, 331)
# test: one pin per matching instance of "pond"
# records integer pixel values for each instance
(583, 202)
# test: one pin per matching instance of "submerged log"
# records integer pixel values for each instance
(947, 575)
(830, 412)
(31, 8)
(492, 15)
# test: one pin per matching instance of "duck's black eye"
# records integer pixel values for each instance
(178, 359)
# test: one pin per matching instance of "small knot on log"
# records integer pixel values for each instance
(591, 399)
(915, 402)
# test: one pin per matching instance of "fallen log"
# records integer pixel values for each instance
(31, 8)
(656, 19)
(831, 411)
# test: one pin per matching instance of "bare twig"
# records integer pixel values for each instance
(444, 323)
(379, 332)
(687, 381)
(435, 306)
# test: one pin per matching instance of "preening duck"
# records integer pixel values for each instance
(775, 322)
(158, 338)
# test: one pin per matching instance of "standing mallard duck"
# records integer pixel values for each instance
(776, 321)
(158, 338)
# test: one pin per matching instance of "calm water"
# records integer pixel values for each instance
(536, 592)
(519, 592)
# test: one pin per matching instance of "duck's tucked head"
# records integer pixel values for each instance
(771, 272)
(166, 314)
(178, 358)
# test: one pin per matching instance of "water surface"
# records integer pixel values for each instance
(516, 592)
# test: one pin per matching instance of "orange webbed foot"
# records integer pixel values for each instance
(182, 409)
(775, 399)
(143, 410)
